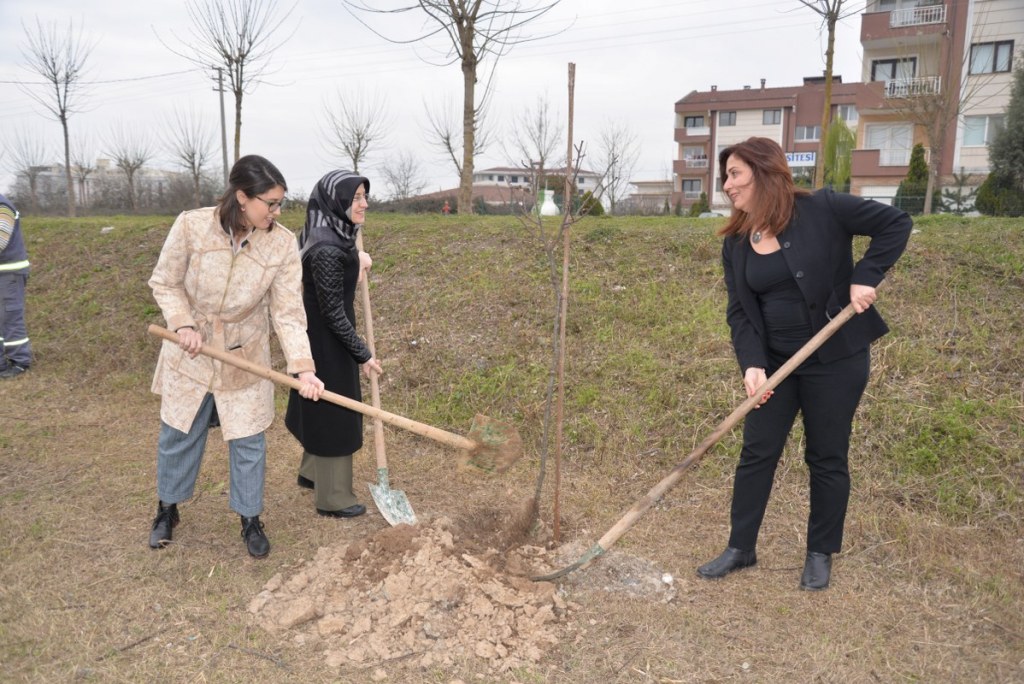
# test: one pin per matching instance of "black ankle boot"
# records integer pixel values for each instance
(166, 519)
(255, 540)
(730, 560)
(817, 570)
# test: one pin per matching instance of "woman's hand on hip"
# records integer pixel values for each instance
(190, 341)
(312, 386)
(372, 366)
(754, 378)
(862, 297)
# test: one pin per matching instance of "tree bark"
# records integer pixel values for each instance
(469, 63)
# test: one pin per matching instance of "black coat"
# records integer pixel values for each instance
(818, 248)
(329, 276)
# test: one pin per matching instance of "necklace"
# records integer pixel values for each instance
(756, 237)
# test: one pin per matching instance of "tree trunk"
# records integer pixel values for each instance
(930, 187)
(196, 190)
(67, 168)
(238, 123)
(826, 112)
(465, 202)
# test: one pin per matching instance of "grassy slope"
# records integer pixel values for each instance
(929, 586)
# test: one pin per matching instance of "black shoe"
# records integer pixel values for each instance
(166, 519)
(730, 560)
(13, 370)
(817, 570)
(305, 482)
(350, 512)
(255, 540)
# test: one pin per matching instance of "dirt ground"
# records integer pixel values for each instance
(915, 596)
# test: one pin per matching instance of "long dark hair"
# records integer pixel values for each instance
(252, 174)
(774, 190)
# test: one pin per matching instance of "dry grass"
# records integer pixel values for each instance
(929, 587)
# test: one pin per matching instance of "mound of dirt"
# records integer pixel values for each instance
(412, 593)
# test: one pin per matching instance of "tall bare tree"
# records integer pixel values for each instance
(130, 149)
(831, 12)
(190, 144)
(402, 176)
(83, 165)
(355, 124)
(237, 36)
(58, 57)
(474, 30)
(28, 155)
(535, 138)
(617, 152)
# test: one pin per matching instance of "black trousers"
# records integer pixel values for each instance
(827, 396)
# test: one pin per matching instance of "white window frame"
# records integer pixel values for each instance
(894, 142)
(774, 114)
(807, 133)
(988, 124)
(843, 112)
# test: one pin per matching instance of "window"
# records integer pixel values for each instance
(893, 142)
(893, 69)
(991, 58)
(513, 179)
(693, 122)
(847, 113)
(691, 188)
(771, 116)
(501, 179)
(808, 133)
(981, 130)
(726, 118)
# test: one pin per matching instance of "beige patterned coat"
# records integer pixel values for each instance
(231, 299)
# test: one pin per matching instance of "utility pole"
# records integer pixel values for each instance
(223, 124)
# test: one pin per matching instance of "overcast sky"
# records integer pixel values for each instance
(633, 62)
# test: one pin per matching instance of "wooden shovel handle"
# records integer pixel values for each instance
(422, 429)
(378, 425)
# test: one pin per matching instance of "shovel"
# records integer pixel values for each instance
(392, 503)
(644, 504)
(492, 446)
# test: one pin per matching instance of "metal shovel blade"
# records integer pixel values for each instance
(392, 503)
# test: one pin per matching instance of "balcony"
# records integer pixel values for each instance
(913, 87)
(696, 163)
(692, 133)
(917, 16)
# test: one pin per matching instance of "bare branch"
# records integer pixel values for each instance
(58, 58)
(236, 36)
(475, 30)
(402, 176)
(355, 124)
(130, 149)
(617, 153)
(28, 155)
(190, 144)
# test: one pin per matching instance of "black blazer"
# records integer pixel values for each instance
(818, 248)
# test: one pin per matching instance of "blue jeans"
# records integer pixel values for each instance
(180, 454)
(14, 344)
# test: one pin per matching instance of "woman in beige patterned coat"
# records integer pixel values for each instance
(226, 273)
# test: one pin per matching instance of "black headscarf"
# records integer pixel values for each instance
(329, 212)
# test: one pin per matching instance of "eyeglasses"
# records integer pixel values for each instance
(271, 205)
(360, 198)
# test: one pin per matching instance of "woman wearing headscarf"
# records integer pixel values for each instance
(332, 266)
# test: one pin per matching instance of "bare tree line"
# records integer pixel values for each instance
(237, 38)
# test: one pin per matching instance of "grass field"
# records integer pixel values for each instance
(929, 587)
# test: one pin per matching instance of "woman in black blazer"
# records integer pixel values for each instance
(788, 260)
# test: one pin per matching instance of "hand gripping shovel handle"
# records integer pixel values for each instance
(422, 429)
(644, 504)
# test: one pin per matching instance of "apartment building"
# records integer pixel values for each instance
(933, 70)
